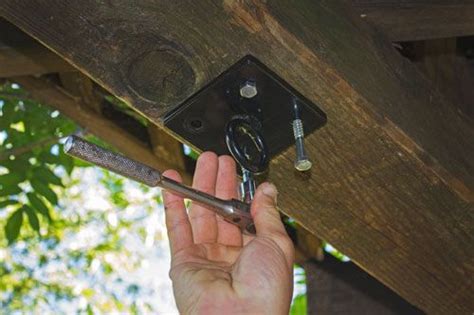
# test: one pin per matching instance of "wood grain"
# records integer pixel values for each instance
(20, 56)
(393, 179)
(94, 123)
(407, 20)
(32, 60)
(166, 147)
(337, 288)
(441, 61)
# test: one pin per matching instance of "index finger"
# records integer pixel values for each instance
(179, 230)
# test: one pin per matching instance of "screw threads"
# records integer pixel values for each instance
(302, 162)
(298, 128)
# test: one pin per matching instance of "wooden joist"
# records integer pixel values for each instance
(408, 20)
(448, 70)
(334, 287)
(20, 56)
(29, 61)
(393, 179)
(94, 123)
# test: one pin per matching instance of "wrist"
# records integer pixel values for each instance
(213, 305)
(209, 305)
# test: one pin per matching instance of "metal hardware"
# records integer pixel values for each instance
(247, 145)
(247, 187)
(248, 89)
(233, 211)
(249, 149)
(302, 163)
(201, 120)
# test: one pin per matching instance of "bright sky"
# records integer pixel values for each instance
(144, 260)
(151, 273)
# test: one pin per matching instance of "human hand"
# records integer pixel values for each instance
(215, 269)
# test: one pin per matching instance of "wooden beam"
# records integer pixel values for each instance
(166, 147)
(162, 144)
(22, 61)
(89, 94)
(107, 130)
(308, 247)
(81, 86)
(450, 71)
(20, 55)
(334, 287)
(403, 20)
(393, 179)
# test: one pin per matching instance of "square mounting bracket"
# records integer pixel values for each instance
(201, 120)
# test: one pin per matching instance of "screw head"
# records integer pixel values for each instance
(248, 89)
(303, 165)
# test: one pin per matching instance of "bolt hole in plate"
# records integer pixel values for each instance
(201, 120)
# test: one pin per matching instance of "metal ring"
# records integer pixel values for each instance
(233, 127)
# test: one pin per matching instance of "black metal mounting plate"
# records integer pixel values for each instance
(201, 120)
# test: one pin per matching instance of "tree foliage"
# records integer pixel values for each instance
(59, 250)
(31, 158)
(74, 236)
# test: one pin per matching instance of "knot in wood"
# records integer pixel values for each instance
(160, 76)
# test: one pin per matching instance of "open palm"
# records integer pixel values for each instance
(216, 269)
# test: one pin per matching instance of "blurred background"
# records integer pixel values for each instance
(76, 238)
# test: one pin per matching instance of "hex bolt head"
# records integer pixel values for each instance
(248, 89)
(303, 165)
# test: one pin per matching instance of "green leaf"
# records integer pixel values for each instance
(9, 112)
(66, 161)
(10, 190)
(299, 305)
(45, 174)
(7, 203)
(11, 179)
(39, 205)
(81, 163)
(32, 218)
(12, 228)
(18, 165)
(47, 157)
(44, 190)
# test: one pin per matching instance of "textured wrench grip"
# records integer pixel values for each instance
(114, 162)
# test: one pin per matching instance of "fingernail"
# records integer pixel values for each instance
(270, 190)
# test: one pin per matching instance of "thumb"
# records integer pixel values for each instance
(264, 211)
(268, 222)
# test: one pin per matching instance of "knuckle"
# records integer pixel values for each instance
(208, 188)
(285, 243)
(172, 203)
(202, 216)
(177, 224)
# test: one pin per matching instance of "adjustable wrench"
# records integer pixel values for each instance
(233, 211)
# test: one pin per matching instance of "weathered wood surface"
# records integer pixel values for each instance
(20, 56)
(166, 147)
(392, 185)
(407, 20)
(337, 288)
(82, 87)
(449, 70)
(18, 62)
(94, 123)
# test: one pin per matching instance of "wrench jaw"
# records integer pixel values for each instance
(238, 213)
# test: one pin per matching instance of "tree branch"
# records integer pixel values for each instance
(29, 147)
